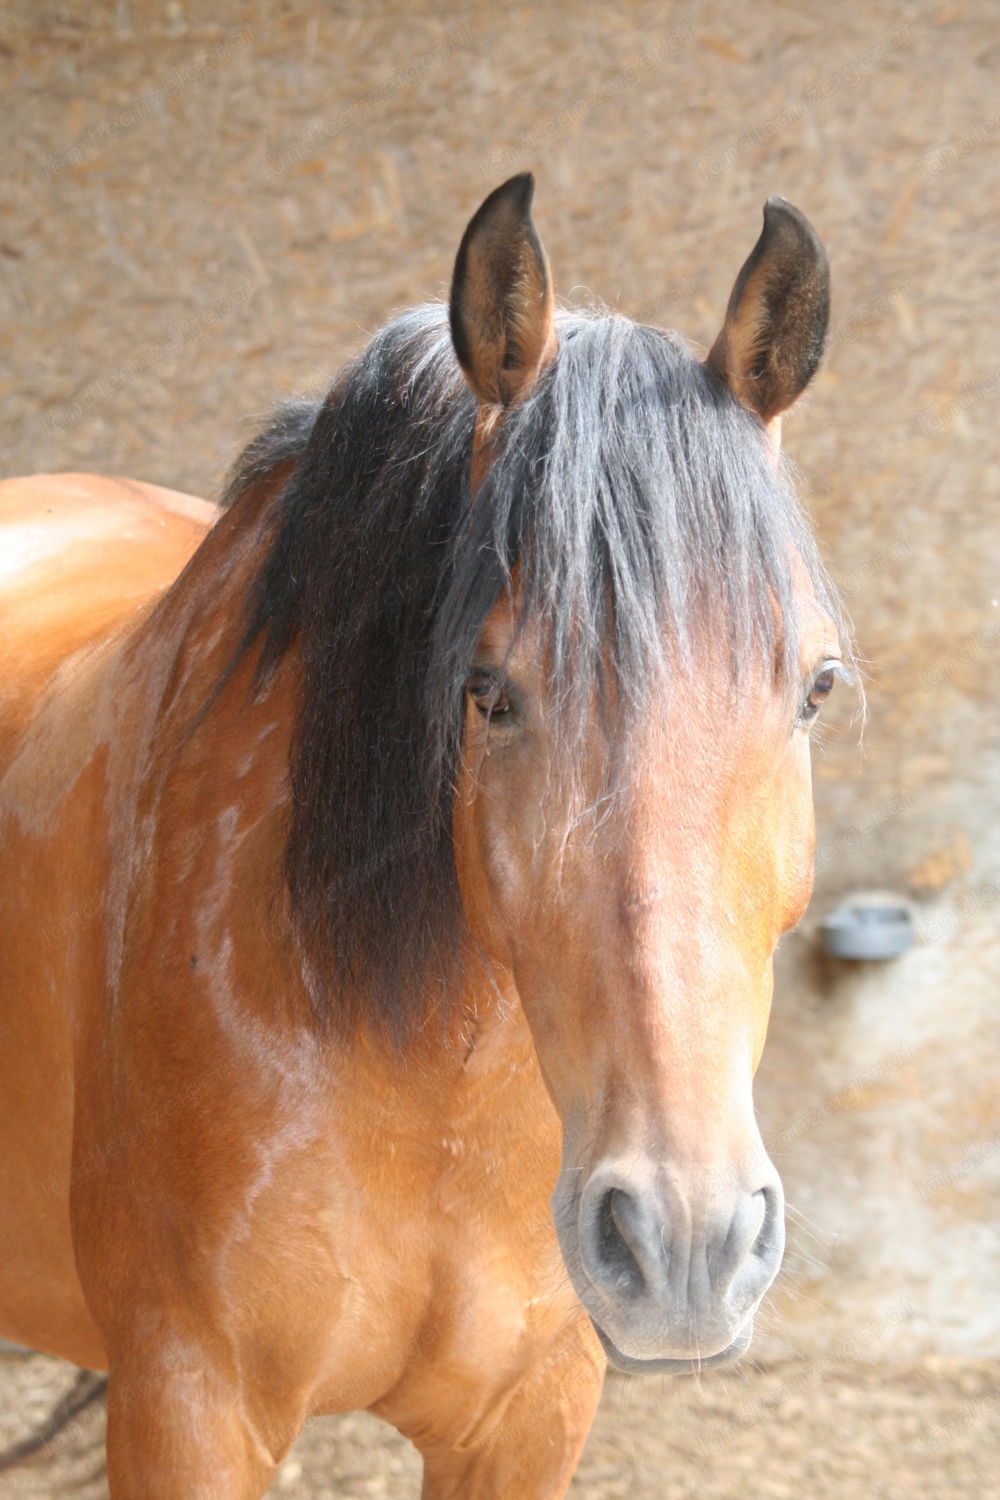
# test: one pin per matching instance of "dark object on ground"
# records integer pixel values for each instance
(87, 1388)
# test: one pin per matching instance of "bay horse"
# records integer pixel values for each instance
(393, 859)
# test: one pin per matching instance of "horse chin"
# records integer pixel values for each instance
(627, 1365)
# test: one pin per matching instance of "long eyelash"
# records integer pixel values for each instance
(809, 713)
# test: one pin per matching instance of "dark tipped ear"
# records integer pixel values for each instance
(501, 297)
(776, 321)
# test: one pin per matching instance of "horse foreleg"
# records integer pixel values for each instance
(531, 1452)
(186, 1435)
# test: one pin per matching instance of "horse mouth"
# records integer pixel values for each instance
(627, 1364)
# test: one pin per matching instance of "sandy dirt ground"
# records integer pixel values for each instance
(924, 1431)
(204, 210)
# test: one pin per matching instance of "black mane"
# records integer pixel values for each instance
(636, 495)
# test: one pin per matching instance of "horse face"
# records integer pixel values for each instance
(639, 931)
(639, 927)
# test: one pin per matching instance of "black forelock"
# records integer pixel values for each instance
(635, 495)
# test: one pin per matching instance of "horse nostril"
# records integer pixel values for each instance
(753, 1249)
(617, 1264)
(770, 1242)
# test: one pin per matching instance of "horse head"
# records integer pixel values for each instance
(633, 820)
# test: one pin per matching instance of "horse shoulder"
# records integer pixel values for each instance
(82, 559)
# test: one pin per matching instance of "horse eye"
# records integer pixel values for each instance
(487, 694)
(821, 689)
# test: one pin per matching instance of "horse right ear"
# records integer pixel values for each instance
(776, 321)
(502, 306)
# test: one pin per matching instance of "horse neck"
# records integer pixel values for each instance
(216, 749)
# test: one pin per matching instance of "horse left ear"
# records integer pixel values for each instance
(502, 306)
(776, 321)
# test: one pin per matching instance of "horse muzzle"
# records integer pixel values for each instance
(671, 1278)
